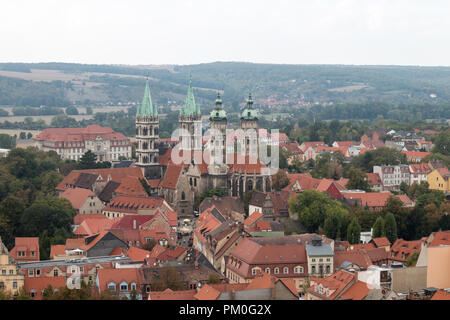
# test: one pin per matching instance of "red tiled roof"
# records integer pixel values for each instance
(74, 243)
(373, 179)
(127, 221)
(308, 144)
(408, 248)
(305, 180)
(365, 246)
(137, 254)
(117, 251)
(251, 219)
(345, 143)
(77, 196)
(420, 168)
(441, 295)
(171, 177)
(92, 226)
(378, 255)
(114, 174)
(169, 294)
(441, 238)
(375, 199)
(171, 253)
(358, 257)
(57, 249)
(326, 183)
(381, 242)
(40, 283)
(79, 218)
(132, 204)
(131, 186)
(416, 154)
(357, 291)
(337, 282)
(128, 275)
(263, 225)
(207, 293)
(26, 244)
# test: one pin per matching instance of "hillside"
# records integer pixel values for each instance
(62, 84)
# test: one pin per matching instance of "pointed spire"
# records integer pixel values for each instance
(218, 101)
(250, 101)
(146, 108)
(190, 108)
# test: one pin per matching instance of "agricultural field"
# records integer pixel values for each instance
(47, 119)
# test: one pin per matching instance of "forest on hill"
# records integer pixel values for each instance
(62, 84)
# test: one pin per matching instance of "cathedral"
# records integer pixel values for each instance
(179, 182)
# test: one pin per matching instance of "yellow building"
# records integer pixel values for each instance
(439, 179)
(10, 279)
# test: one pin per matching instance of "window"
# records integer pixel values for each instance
(298, 269)
(4, 271)
(133, 286)
(112, 286)
(30, 272)
(14, 285)
(183, 196)
(285, 270)
(268, 270)
(55, 272)
(33, 293)
(313, 269)
(38, 272)
(254, 271)
(123, 286)
(11, 271)
(276, 270)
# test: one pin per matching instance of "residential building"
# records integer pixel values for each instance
(120, 206)
(11, 280)
(374, 181)
(342, 285)
(121, 282)
(415, 156)
(402, 250)
(320, 258)
(439, 179)
(252, 256)
(392, 176)
(26, 249)
(83, 200)
(419, 172)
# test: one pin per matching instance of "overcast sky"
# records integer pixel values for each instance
(397, 32)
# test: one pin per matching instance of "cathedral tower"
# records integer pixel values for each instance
(218, 125)
(147, 136)
(249, 120)
(190, 123)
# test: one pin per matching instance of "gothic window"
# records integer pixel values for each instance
(156, 131)
(183, 196)
(145, 146)
(137, 131)
(145, 131)
(145, 160)
(250, 185)
(190, 181)
(195, 182)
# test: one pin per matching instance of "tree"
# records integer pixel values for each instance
(22, 136)
(354, 232)
(212, 279)
(404, 187)
(149, 245)
(280, 180)
(332, 226)
(169, 277)
(72, 111)
(89, 110)
(378, 228)
(23, 295)
(378, 157)
(29, 135)
(442, 143)
(390, 227)
(88, 160)
(411, 262)
(357, 180)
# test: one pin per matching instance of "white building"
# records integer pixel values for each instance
(72, 143)
(392, 176)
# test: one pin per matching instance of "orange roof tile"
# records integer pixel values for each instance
(357, 291)
(79, 218)
(169, 294)
(40, 283)
(207, 293)
(441, 295)
(381, 242)
(77, 196)
(57, 249)
(251, 219)
(441, 238)
(137, 254)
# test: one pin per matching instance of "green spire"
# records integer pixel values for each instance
(249, 113)
(218, 113)
(146, 108)
(190, 109)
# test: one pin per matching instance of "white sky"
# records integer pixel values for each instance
(397, 32)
